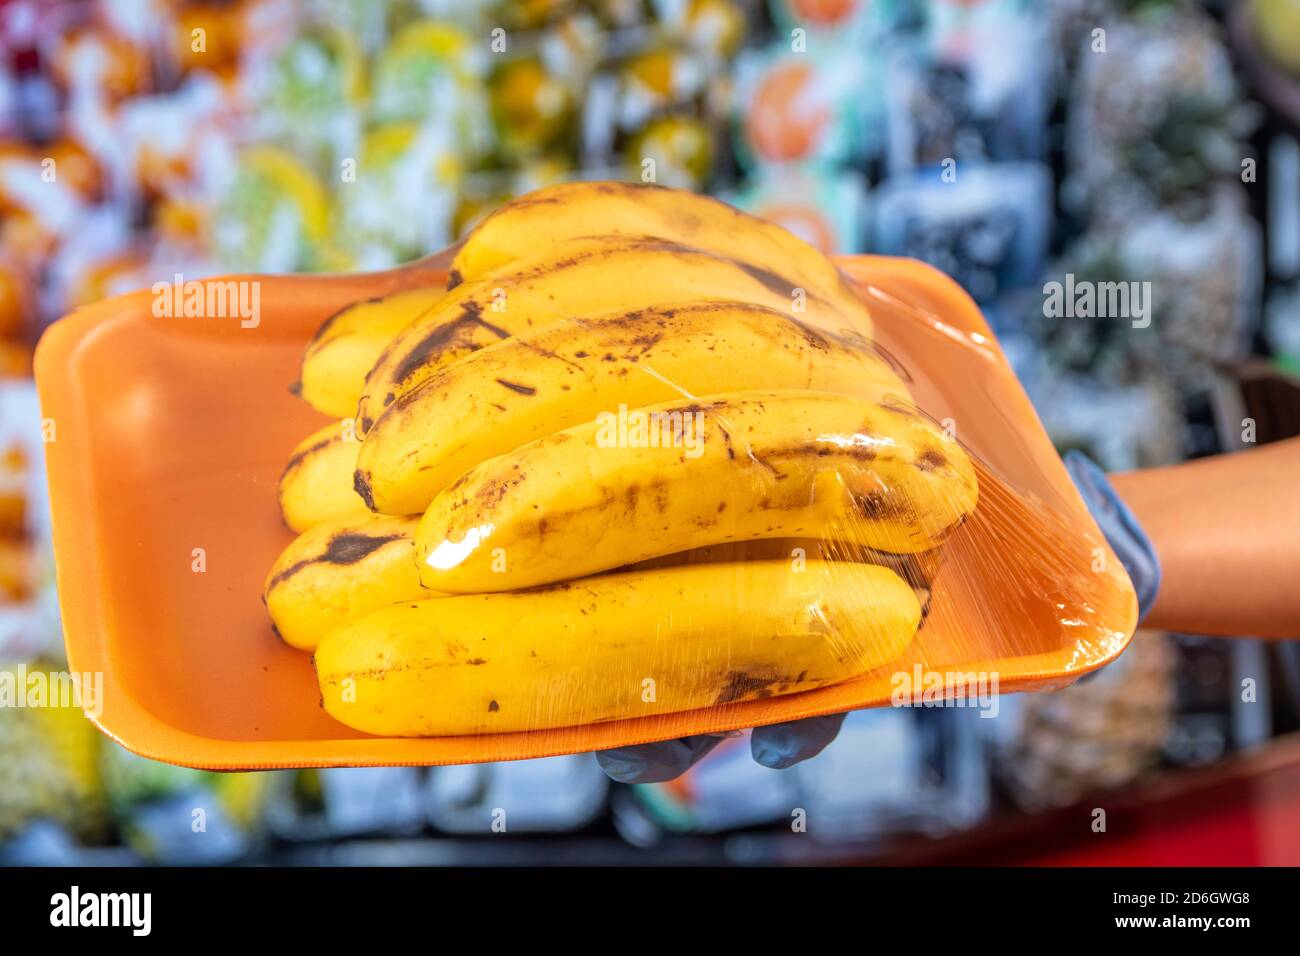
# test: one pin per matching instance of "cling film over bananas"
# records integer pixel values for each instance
(579, 209)
(578, 277)
(732, 467)
(536, 383)
(583, 651)
(644, 456)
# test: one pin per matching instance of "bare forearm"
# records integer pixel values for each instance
(1227, 533)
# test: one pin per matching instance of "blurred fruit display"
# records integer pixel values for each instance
(50, 758)
(175, 815)
(528, 796)
(326, 135)
(1098, 734)
(794, 108)
(1157, 116)
(334, 803)
(988, 229)
(830, 211)
(1013, 144)
(531, 109)
(1276, 26)
(274, 216)
(28, 607)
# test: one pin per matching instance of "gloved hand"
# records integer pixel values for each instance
(783, 745)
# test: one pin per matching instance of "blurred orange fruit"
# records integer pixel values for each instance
(786, 119)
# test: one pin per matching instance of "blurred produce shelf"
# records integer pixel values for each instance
(992, 138)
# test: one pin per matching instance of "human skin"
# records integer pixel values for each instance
(1227, 533)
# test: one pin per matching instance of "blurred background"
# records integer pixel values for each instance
(1008, 143)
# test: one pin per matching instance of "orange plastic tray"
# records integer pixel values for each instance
(172, 433)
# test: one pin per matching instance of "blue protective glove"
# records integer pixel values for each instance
(783, 745)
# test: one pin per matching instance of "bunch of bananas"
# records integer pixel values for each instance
(640, 456)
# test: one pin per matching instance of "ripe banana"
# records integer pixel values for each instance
(685, 474)
(567, 373)
(542, 218)
(339, 570)
(918, 570)
(345, 348)
(596, 649)
(317, 482)
(577, 278)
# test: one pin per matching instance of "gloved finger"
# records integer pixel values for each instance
(783, 745)
(656, 762)
(1120, 526)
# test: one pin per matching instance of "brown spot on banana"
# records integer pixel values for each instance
(931, 460)
(342, 549)
(351, 548)
(767, 278)
(440, 337)
(742, 686)
(516, 387)
(361, 483)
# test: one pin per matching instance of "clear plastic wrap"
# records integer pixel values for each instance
(696, 487)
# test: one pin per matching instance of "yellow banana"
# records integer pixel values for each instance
(525, 387)
(542, 218)
(620, 645)
(577, 278)
(670, 477)
(339, 570)
(919, 570)
(345, 348)
(317, 483)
